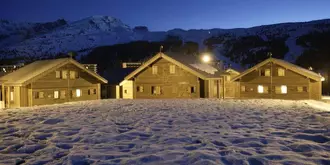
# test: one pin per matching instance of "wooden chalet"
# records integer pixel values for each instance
(171, 75)
(49, 82)
(278, 79)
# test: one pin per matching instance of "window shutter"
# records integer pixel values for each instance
(63, 94)
(158, 89)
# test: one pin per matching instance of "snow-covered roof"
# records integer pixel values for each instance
(188, 62)
(285, 64)
(205, 68)
(35, 69)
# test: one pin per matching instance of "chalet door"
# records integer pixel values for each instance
(202, 88)
(183, 90)
(216, 89)
(30, 97)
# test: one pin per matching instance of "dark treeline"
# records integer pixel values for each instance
(108, 57)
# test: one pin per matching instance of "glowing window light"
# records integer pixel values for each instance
(260, 89)
(11, 96)
(78, 92)
(284, 89)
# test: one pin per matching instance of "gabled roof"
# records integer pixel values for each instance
(232, 71)
(186, 62)
(297, 69)
(37, 69)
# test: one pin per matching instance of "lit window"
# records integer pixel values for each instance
(192, 89)
(78, 92)
(139, 88)
(57, 74)
(64, 74)
(155, 90)
(260, 89)
(305, 89)
(11, 96)
(154, 69)
(41, 95)
(242, 88)
(300, 89)
(56, 94)
(172, 69)
(284, 89)
(267, 72)
(281, 72)
(36, 95)
(72, 74)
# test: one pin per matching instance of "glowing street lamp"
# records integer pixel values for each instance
(322, 79)
(206, 58)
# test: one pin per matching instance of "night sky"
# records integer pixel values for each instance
(165, 15)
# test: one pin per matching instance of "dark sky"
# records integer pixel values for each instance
(169, 14)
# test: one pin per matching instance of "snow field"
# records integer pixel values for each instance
(183, 131)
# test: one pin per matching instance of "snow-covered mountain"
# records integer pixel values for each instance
(42, 39)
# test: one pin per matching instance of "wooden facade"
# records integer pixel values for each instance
(59, 81)
(165, 77)
(277, 79)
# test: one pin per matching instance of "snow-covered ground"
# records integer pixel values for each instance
(192, 131)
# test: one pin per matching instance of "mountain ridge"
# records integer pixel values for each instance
(82, 36)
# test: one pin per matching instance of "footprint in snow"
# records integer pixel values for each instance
(314, 138)
(53, 121)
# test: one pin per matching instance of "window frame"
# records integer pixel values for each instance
(243, 87)
(278, 72)
(280, 89)
(41, 95)
(58, 74)
(56, 94)
(286, 89)
(193, 89)
(139, 89)
(154, 69)
(64, 74)
(260, 89)
(78, 93)
(155, 90)
(72, 74)
(267, 71)
(172, 69)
